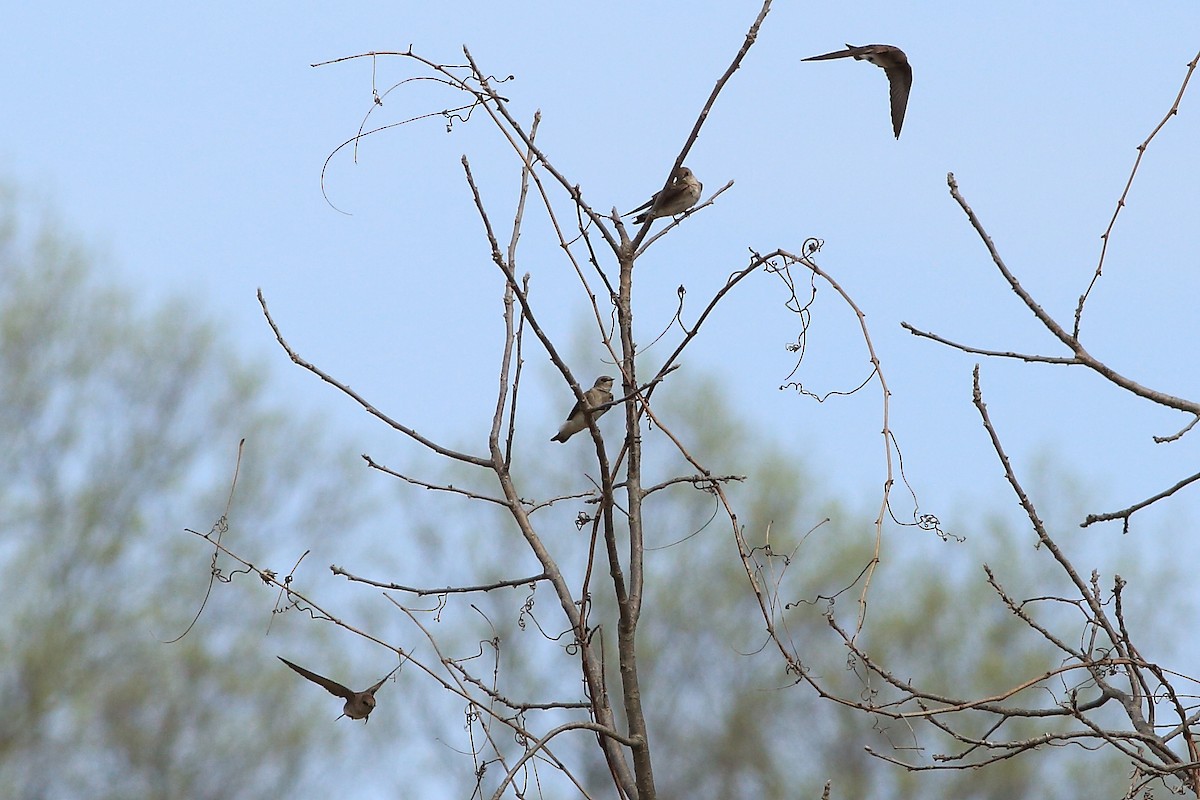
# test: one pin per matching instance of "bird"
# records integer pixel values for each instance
(598, 395)
(895, 66)
(359, 705)
(679, 196)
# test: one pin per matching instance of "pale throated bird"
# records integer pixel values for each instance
(679, 196)
(598, 395)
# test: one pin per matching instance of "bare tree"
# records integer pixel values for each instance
(598, 589)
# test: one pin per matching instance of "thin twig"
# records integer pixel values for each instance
(1082, 356)
(1141, 150)
(373, 464)
(1126, 513)
(466, 458)
(422, 592)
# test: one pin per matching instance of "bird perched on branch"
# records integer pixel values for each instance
(679, 196)
(598, 395)
(895, 66)
(359, 705)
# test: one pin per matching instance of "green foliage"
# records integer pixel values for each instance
(118, 427)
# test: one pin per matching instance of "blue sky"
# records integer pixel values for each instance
(185, 142)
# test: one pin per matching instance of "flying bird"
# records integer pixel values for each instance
(679, 196)
(894, 64)
(598, 395)
(359, 705)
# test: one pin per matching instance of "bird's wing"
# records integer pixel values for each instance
(900, 83)
(578, 407)
(643, 206)
(375, 688)
(849, 52)
(663, 199)
(597, 396)
(594, 398)
(331, 686)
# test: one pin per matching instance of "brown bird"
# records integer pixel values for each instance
(679, 196)
(359, 705)
(598, 395)
(895, 66)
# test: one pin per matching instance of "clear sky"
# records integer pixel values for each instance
(186, 141)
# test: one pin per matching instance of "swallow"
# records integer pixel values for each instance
(598, 395)
(895, 66)
(681, 195)
(359, 705)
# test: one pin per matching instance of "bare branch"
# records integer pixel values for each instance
(1038, 527)
(420, 592)
(1029, 357)
(1126, 513)
(702, 482)
(1104, 237)
(512, 338)
(370, 409)
(541, 743)
(1082, 356)
(747, 43)
(373, 464)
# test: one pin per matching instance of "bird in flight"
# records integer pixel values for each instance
(359, 705)
(681, 195)
(895, 66)
(598, 395)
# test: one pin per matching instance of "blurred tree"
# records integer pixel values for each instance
(119, 425)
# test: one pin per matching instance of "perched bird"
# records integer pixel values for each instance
(598, 395)
(359, 705)
(895, 65)
(681, 195)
